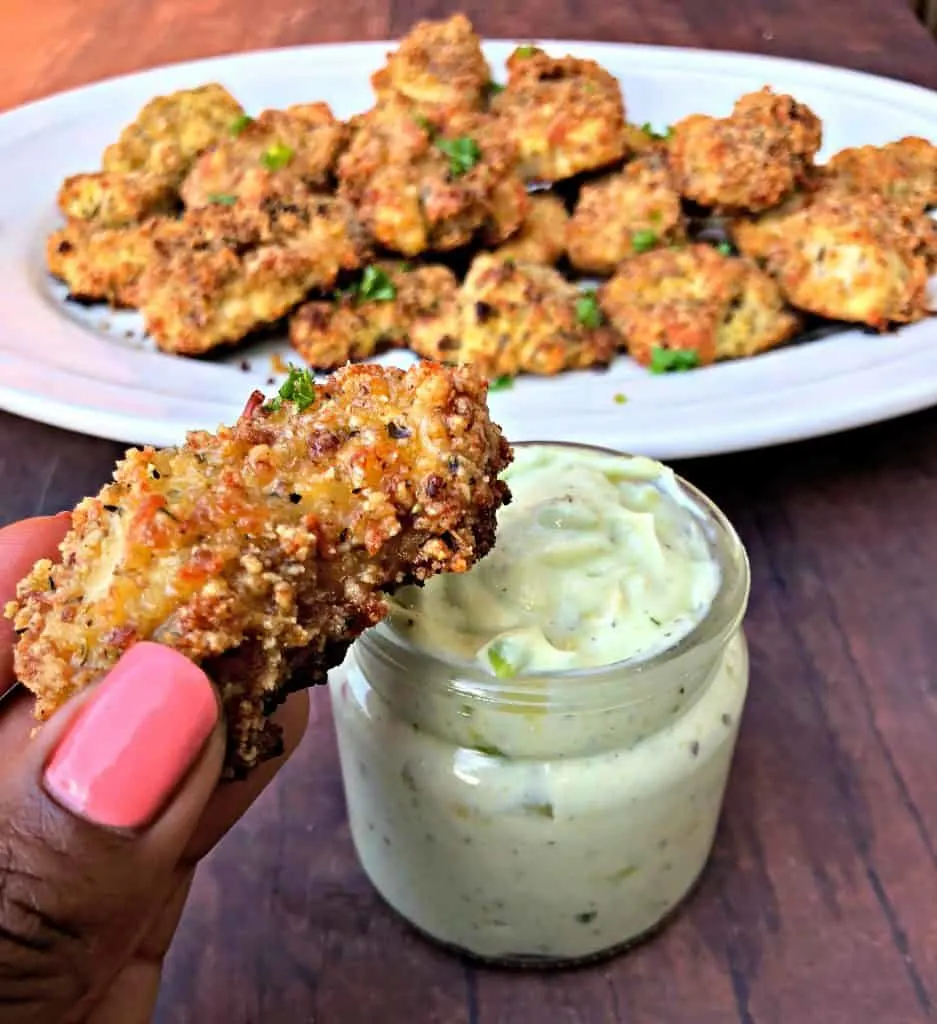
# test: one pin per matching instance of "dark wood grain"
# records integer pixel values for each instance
(820, 904)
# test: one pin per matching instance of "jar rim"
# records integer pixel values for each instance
(717, 625)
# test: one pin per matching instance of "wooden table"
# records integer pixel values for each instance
(820, 906)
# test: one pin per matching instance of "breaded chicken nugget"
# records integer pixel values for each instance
(230, 270)
(261, 551)
(103, 264)
(623, 214)
(542, 237)
(301, 143)
(113, 200)
(566, 115)
(854, 257)
(170, 131)
(511, 318)
(431, 183)
(750, 160)
(378, 313)
(904, 172)
(437, 64)
(694, 299)
(755, 236)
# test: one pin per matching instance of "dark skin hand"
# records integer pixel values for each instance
(89, 903)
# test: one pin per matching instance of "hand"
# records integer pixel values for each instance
(103, 818)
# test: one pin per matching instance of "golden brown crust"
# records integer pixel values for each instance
(437, 64)
(567, 115)
(413, 196)
(750, 160)
(262, 551)
(103, 264)
(328, 334)
(511, 318)
(632, 211)
(229, 270)
(695, 299)
(170, 131)
(542, 235)
(299, 144)
(113, 200)
(854, 257)
(904, 172)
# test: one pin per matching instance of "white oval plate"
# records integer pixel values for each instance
(90, 370)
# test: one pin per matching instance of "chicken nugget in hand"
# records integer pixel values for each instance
(261, 551)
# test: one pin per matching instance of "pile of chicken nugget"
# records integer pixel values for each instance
(460, 218)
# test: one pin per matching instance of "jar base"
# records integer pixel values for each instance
(534, 962)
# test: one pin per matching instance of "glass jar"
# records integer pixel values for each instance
(545, 818)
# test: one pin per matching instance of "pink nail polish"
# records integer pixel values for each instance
(135, 740)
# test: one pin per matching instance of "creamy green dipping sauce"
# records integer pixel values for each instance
(599, 559)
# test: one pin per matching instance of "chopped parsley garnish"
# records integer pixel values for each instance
(240, 123)
(643, 241)
(299, 388)
(494, 88)
(376, 286)
(587, 310)
(620, 399)
(527, 50)
(673, 360)
(503, 383)
(652, 133)
(277, 156)
(425, 124)
(502, 667)
(223, 198)
(464, 153)
(725, 248)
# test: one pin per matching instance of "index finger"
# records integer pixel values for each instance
(21, 545)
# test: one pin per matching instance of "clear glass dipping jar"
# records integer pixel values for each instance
(550, 817)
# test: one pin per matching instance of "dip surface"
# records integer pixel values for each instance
(600, 558)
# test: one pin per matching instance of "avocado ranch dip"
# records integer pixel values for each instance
(535, 752)
(597, 561)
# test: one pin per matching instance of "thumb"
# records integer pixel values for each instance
(94, 818)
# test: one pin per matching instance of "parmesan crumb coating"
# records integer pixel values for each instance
(111, 200)
(224, 271)
(750, 160)
(510, 318)
(170, 131)
(261, 551)
(437, 64)
(567, 115)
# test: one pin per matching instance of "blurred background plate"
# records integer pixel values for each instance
(91, 370)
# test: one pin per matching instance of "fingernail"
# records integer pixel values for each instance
(135, 740)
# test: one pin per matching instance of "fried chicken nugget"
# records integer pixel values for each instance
(431, 183)
(542, 236)
(113, 200)
(854, 257)
(567, 115)
(261, 551)
(229, 270)
(625, 213)
(103, 264)
(437, 64)
(904, 172)
(378, 314)
(301, 143)
(750, 160)
(170, 131)
(695, 299)
(511, 318)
